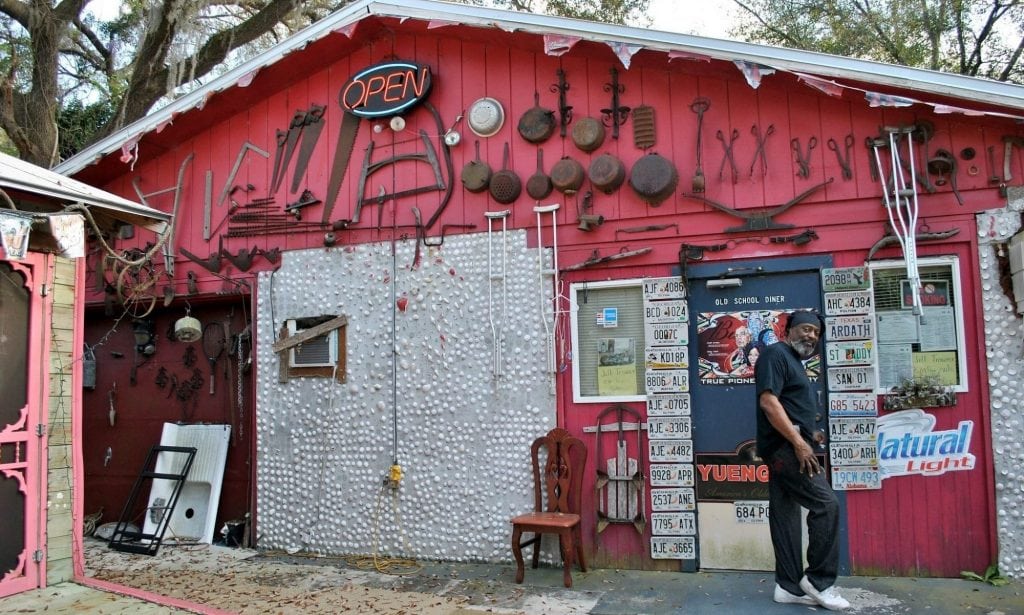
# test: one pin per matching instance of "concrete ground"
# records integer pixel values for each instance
(222, 580)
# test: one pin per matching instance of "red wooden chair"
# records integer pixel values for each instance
(556, 501)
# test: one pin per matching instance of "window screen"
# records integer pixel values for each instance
(931, 348)
(592, 343)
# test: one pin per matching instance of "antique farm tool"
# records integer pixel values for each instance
(539, 186)
(238, 165)
(211, 263)
(649, 228)
(538, 123)
(564, 110)
(281, 138)
(597, 259)
(890, 239)
(168, 237)
(643, 127)
(699, 106)
(619, 489)
(505, 185)
(312, 125)
(476, 173)
(761, 140)
(760, 220)
(728, 154)
(306, 199)
(429, 155)
(843, 158)
(803, 157)
(617, 114)
(207, 205)
(869, 142)
(943, 163)
(342, 154)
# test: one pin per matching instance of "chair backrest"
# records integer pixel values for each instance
(558, 484)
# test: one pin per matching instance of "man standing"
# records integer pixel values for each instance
(785, 429)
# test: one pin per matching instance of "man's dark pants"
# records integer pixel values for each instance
(788, 491)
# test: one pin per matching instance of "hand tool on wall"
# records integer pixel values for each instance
(890, 239)
(213, 345)
(342, 154)
(1008, 142)
(728, 154)
(597, 259)
(803, 157)
(646, 229)
(281, 138)
(312, 125)
(246, 147)
(643, 127)
(207, 204)
(617, 114)
(429, 155)
(869, 143)
(759, 151)
(699, 106)
(843, 158)
(943, 163)
(294, 131)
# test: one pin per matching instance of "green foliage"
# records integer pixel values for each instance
(991, 576)
(78, 122)
(973, 37)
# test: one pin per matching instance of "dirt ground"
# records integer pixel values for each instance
(241, 581)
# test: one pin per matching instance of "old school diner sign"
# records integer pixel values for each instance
(385, 89)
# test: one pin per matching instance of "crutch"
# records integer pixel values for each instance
(496, 327)
(903, 208)
(542, 271)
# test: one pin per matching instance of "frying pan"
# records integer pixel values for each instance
(539, 184)
(505, 184)
(476, 173)
(538, 123)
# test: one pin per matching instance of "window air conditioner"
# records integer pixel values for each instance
(321, 351)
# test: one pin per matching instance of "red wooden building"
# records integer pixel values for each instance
(690, 191)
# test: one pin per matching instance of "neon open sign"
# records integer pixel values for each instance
(385, 89)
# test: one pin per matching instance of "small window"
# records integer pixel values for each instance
(321, 351)
(608, 341)
(927, 348)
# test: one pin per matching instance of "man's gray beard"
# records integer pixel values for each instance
(804, 349)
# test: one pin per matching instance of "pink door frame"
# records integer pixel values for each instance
(30, 468)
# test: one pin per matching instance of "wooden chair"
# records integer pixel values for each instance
(556, 501)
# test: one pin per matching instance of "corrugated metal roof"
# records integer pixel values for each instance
(16, 174)
(973, 91)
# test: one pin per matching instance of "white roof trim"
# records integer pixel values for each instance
(971, 89)
(16, 174)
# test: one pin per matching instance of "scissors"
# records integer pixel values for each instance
(804, 158)
(844, 160)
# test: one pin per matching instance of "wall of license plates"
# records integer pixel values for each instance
(669, 427)
(850, 353)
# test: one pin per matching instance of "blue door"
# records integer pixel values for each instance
(737, 309)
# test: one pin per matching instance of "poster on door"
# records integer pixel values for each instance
(729, 343)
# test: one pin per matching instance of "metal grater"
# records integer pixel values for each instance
(643, 126)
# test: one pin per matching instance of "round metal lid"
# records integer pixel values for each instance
(486, 117)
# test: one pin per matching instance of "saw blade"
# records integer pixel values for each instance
(342, 154)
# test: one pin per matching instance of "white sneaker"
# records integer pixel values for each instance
(785, 597)
(828, 598)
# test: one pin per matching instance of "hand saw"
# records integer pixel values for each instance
(342, 153)
(294, 129)
(313, 124)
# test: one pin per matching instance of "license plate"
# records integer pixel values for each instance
(670, 450)
(845, 278)
(673, 524)
(668, 405)
(670, 547)
(839, 328)
(855, 478)
(848, 302)
(851, 378)
(666, 334)
(860, 352)
(672, 475)
(677, 357)
(852, 429)
(681, 498)
(667, 380)
(668, 427)
(664, 288)
(751, 511)
(666, 311)
(852, 404)
(853, 453)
